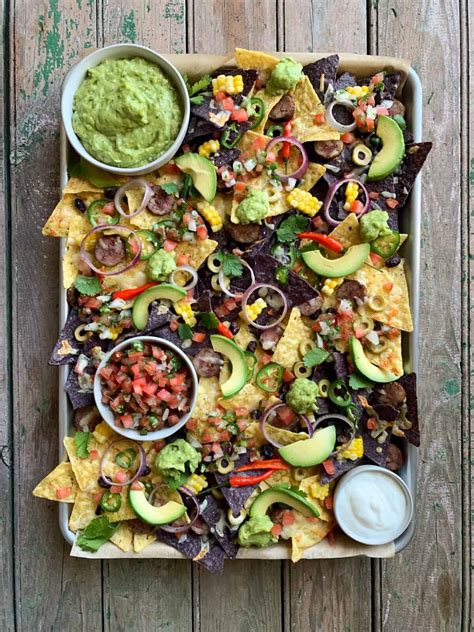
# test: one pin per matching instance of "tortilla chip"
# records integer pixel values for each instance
(249, 397)
(80, 185)
(103, 433)
(396, 312)
(263, 62)
(142, 540)
(347, 232)
(87, 472)
(243, 336)
(65, 212)
(280, 435)
(197, 252)
(208, 393)
(125, 512)
(307, 105)
(308, 485)
(269, 102)
(306, 532)
(123, 537)
(287, 350)
(61, 477)
(135, 277)
(391, 359)
(223, 205)
(83, 511)
(313, 173)
(277, 198)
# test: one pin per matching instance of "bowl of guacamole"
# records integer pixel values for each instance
(125, 109)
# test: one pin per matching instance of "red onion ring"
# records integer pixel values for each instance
(103, 227)
(284, 177)
(246, 297)
(343, 418)
(192, 283)
(268, 412)
(221, 280)
(330, 196)
(185, 527)
(131, 184)
(141, 466)
(342, 129)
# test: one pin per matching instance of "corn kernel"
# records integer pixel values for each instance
(183, 309)
(211, 215)
(303, 201)
(208, 148)
(196, 483)
(354, 451)
(253, 311)
(330, 285)
(229, 84)
(319, 491)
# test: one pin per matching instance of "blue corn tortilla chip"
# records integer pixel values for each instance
(172, 336)
(190, 544)
(198, 128)
(212, 514)
(373, 450)
(409, 384)
(225, 157)
(210, 112)
(77, 397)
(341, 467)
(341, 366)
(326, 66)
(236, 497)
(415, 156)
(66, 335)
(344, 80)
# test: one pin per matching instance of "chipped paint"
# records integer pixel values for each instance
(53, 47)
(174, 10)
(451, 387)
(129, 31)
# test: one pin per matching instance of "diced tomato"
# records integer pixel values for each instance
(357, 206)
(199, 336)
(374, 195)
(320, 119)
(371, 423)
(376, 260)
(136, 486)
(392, 203)
(96, 497)
(150, 367)
(187, 217)
(228, 104)
(276, 530)
(192, 424)
(150, 388)
(220, 96)
(157, 353)
(266, 358)
(164, 395)
(288, 376)
(378, 78)
(92, 302)
(207, 436)
(288, 518)
(120, 476)
(286, 415)
(94, 455)
(382, 111)
(169, 245)
(178, 379)
(173, 420)
(159, 445)
(388, 286)
(239, 187)
(182, 259)
(230, 304)
(138, 385)
(270, 157)
(225, 435)
(329, 466)
(107, 372)
(170, 169)
(242, 424)
(329, 502)
(63, 492)
(348, 138)
(259, 143)
(359, 333)
(126, 421)
(135, 356)
(370, 124)
(239, 115)
(201, 232)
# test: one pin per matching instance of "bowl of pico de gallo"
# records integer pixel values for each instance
(145, 388)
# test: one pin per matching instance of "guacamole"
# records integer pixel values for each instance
(256, 532)
(284, 76)
(253, 208)
(302, 395)
(126, 112)
(160, 265)
(373, 225)
(176, 459)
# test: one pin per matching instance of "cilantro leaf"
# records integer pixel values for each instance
(81, 440)
(197, 100)
(89, 286)
(175, 482)
(209, 320)
(315, 356)
(170, 188)
(290, 227)
(97, 533)
(231, 265)
(199, 85)
(185, 332)
(357, 381)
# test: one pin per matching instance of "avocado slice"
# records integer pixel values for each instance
(202, 171)
(169, 512)
(311, 451)
(350, 262)
(234, 353)
(98, 177)
(164, 291)
(392, 152)
(278, 494)
(366, 367)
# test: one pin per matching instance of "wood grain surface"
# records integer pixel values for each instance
(425, 588)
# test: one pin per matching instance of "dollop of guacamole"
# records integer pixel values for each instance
(256, 532)
(253, 208)
(284, 76)
(160, 265)
(373, 225)
(176, 459)
(126, 112)
(302, 395)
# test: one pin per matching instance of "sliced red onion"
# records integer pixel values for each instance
(332, 192)
(140, 469)
(185, 527)
(188, 269)
(266, 415)
(110, 231)
(221, 278)
(332, 121)
(343, 418)
(246, 297)
(284, 177)
(133, 184)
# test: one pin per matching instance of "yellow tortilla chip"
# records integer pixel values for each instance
(310, 486)
(390, 359)
(65, 212)
(123, 537)
(135, 277)
(208, 393)
(197, 252)
(307, 105)
(78, 228)
(243, 336)
(249, 397)
(396, 305)
(287, 351)
(306, 532)
(62, 477)
(280, 435)
(83, 511)
(125, 512)
(263, 62)
(103, 433)
(269, 102)
(86, 471)
(142, 540)
(70, 262)
(223, 204)
(313, 173)
(276, 198)
(80, 185)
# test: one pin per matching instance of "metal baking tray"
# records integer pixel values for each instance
(410, 222)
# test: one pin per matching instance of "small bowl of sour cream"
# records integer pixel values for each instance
(373, 505)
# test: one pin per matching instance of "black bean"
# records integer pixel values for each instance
(252, 346)
(234, 328)
(392, 262)
(110, 192)
(146, 470)
(267, 450)
(256, 414)
(103, 483)
(98, 511)
(80, 205)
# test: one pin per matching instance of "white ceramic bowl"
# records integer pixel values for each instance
(107, 413)
(78, 73)
(376, 471)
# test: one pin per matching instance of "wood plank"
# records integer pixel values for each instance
(7, 608)
(309, 25)
(248, 595)
(160, 25)
(423, 585)
(52, 590)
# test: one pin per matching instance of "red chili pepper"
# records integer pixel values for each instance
(324, 240)
(126, 295)
(269, 464)
(285, 152)
(225, 331)
(243, 481)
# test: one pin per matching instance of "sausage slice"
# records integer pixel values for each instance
(284, 109)
(109, 250)
(328, 149)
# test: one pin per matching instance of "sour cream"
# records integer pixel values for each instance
(372, 505)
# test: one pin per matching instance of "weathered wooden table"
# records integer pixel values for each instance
(427, 587)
